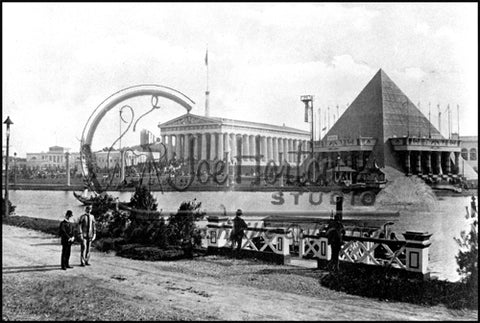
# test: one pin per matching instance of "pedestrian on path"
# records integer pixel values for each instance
(67, 238)
(237, 234)
(335, 233)
(86, 226)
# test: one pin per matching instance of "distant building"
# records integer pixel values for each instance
(469, 150)
(55, 157)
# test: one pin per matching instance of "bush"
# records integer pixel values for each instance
(181, 226)
(11, 207)
(143, 199)
(141, 252)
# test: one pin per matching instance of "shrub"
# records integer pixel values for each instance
(143, 199)
(141, 252)
(11, 207)
(181, 226)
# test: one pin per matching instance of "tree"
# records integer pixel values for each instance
(143, 199)
(467, 258)
(181, 226)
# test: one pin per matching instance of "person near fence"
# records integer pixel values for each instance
(238, 230)
(335, 233)
(86, 227)
(67, 238)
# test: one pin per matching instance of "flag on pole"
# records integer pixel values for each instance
(206, 58)
(306, 112)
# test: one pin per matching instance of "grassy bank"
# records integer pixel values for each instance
(378, 283)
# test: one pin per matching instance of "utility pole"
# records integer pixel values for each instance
(449, 122)
(439, 119)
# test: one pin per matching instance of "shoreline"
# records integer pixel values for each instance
(211, 188)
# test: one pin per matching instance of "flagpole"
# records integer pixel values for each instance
(207, 92)
(429, 122)
(458, 122)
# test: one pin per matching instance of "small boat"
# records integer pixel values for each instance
(84, 200)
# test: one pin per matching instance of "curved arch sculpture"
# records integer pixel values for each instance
(112, 101)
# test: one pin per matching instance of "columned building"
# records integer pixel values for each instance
(384, 127)
(212, 138)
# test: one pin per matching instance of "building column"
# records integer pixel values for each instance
(245, 145)
(213, 147)
(164, 139)
(196, 149)
(203, 145)
(285, 149)
(457, 163)
(269, 148)
(186, 146)
(280, 150)
(275, 149)
(407, 162)
(263, 147)
(251, 141)
(439, 163)
(220, 147)
(170, 147)
(234, 146)
(177, 146)
(419, 162)
(429, 162)
(292, 149)
(448, 165)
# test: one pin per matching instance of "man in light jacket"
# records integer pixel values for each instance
(86, 227)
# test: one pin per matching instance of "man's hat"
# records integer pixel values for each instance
(69, 214)
(239, 212)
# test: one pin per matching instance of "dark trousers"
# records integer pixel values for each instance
(66, 249)
(334, 261)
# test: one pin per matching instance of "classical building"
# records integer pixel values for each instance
(382, 125)
(211, 138)
(55, 157)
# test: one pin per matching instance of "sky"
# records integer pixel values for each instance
(61, 60)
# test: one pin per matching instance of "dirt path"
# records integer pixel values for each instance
(206, 288)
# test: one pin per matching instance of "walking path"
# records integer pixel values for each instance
(206, 288)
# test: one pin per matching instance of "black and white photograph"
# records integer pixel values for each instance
(239, 161)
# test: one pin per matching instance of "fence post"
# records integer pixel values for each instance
(217, 232)
(416, 251)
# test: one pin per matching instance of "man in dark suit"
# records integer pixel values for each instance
(67, 238)
(239, 226)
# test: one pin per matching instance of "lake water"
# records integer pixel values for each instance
(445, 222)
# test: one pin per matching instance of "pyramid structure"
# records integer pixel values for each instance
(383, 111)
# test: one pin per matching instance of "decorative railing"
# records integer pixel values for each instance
(261, 239)
(416, 141)
(410, 254)
(346, 142)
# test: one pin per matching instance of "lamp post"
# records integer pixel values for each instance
(8, 122)
(15, 169)
(308, 100)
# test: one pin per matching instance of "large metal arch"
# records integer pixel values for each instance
(128, 93)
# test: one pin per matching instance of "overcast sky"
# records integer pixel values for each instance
(60, 61)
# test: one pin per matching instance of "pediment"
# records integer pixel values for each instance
(189, 119)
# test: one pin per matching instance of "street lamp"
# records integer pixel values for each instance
(15, 169)
(8, 122)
